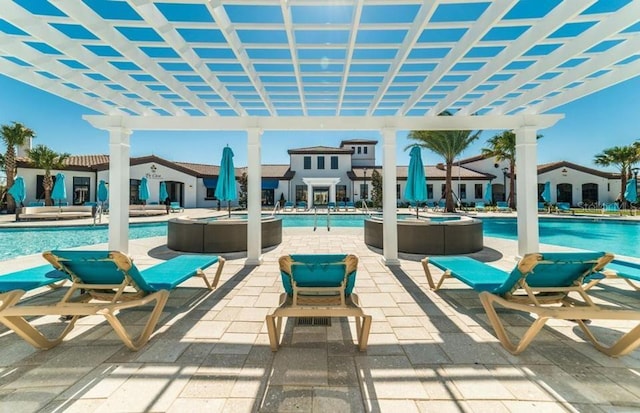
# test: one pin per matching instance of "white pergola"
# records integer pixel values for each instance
(383, 65)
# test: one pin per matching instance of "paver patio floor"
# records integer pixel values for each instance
(428, 351)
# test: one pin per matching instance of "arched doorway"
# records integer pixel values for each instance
(565, 193)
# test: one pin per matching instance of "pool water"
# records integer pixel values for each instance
(619, 237)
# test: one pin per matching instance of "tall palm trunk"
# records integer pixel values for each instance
(10, 164)
(47, 185)
(512, 184)
(449, 204)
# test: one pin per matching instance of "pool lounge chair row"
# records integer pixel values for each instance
(55, 212)
(102, 283)
(541, 284)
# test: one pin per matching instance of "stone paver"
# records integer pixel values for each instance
(427, 351)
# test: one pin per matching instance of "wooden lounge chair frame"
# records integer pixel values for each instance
(106, 299)
(552, 302)
(325, 301)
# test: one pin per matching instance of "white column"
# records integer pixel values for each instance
(119, 149)
(309, 196)
(389, 205)
(332, 193)
(254, 198)
(527, 190)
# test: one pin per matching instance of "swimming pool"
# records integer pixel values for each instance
(619, 237)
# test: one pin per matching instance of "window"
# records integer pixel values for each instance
(341, 192)
(211, 194)
(565, 192)
(365, 149)
(81, 189)
(590, 193)
(320, 162)
(134, 192)
(307, 162)
(359, 149)
(301, 193)
(398, 191)
(334, 162)
(364, 191)
(443, 189)
(430, 191)
(462, 191)
(477, 190)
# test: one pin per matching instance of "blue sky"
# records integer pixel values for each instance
(602, 120)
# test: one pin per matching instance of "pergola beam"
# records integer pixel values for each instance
(337, 123)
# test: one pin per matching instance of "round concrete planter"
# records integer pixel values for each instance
(224, 235)
(423, 236)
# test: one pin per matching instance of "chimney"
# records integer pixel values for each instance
(22, 150)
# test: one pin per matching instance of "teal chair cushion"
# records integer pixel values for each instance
(318, 270)
(30, 278)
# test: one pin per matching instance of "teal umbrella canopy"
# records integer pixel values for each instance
(546, 194)
(18, 190)
(163, 192)
(488, 193)
(631, 190)
(59, 192)
(226, 187)
(103, 192)
(143, 192)
(416, 189)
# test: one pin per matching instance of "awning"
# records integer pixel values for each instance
(210, 182)
(270, 183)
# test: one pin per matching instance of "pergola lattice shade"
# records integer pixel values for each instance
(320, 58)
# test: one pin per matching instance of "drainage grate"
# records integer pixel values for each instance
(313, 321)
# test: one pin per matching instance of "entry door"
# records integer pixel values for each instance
(320, 196)
(175, 191)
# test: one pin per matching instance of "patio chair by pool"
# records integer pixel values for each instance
(301, 206)
(350, 206)
(176, 207)
(13, 313)
(480, 207)
(502, 206)
(288, 206)
(440, 206)
(564, 207)
(108, 282)
(331, 206)
(542, 207)
(540, 284)
(342, 206)
(318, 286)
(36, 203)
(611, 208)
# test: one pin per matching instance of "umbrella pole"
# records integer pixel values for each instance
(229, 208)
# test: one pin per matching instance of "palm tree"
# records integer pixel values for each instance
(13, 135)
(42, 157)
(447, 143)
(503, 148)
(624, 157)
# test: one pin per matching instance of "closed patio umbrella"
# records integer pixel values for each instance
(631, 191)
(546, 194)
(103, 194)
(59, 192)
(416, 189)
(488, 193)
(18, 190)
(143, 192)
(163, 192)
(226, 187)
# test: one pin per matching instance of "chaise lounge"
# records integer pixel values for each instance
(318, 286)
(104, 283)
(540, 284)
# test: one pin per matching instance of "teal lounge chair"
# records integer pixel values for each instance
(288, 206)
(176, 207)
(108, 282)
(628, 271)
(611, 208)
(540, 284)
(564, 207)
(342, 206)
(480, 207)
(502, 206)
(36, 203)
(331, 206)
(318, 286)
(350, 206)
(13, 312)
(542, 207)
(301, 206)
